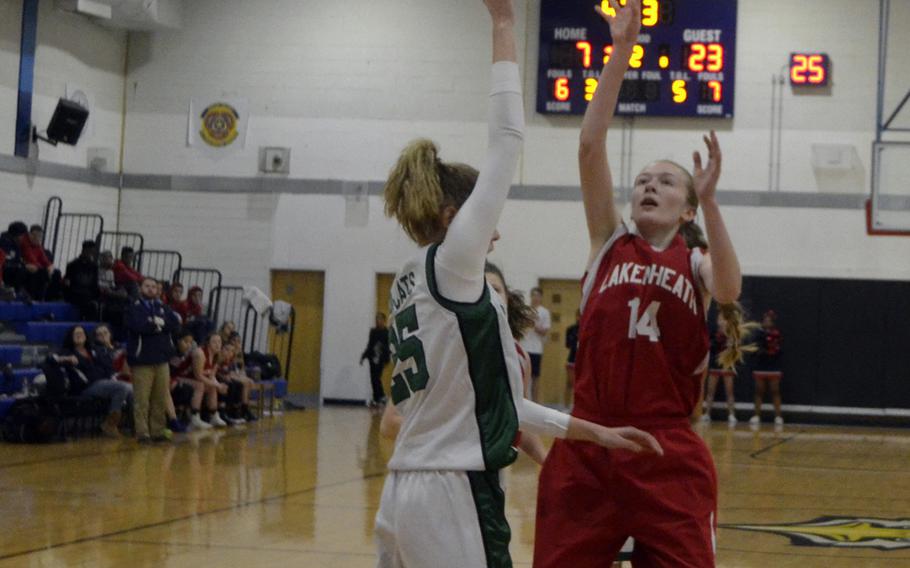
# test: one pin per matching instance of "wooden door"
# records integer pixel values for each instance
(562, 298)
(383, 294)
(305, 291)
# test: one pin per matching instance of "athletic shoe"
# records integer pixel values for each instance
(779, 421)
(164, 436)
(176, 426)
(731, 419)
(216, 421)
(755, 420)
(199, 424)
(249, 416)
(706, 417)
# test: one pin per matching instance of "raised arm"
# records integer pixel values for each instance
(596, 180)
(720, 270)
(460, 259)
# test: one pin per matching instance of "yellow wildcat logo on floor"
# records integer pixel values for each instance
(841, 532)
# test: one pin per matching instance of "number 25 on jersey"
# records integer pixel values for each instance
(647, 323)
(408, 356)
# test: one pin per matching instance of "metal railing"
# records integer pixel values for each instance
(70, 230)
(159, 264)
(116, 240)
(226, 303)
(281, 343)
(257, 330)
(52, 210)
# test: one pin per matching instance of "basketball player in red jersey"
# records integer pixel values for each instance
(643, 348)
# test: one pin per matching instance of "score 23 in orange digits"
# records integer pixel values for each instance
(809, 69)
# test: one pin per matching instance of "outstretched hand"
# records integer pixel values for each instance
(629, 438)
(626, 23)
(501, 11)
(706, 177)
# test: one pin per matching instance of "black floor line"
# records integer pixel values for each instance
(188, 517)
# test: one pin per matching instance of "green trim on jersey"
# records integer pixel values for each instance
(490, 502)
(494, 408)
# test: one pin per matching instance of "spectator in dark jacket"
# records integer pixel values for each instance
(377, 353)
(95, 377)
(39, 270)
(149, 325)
(13, 269)
(82, 281)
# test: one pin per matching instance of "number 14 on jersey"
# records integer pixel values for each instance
(647, 323)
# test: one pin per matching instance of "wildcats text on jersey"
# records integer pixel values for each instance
(653, 275)
(402, 289)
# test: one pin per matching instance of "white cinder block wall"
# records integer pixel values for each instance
(346, 85)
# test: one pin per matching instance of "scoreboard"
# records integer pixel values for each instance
(683, 64)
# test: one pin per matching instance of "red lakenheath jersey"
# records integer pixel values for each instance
(643, 340)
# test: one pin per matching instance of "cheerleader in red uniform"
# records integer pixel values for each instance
(767, 371)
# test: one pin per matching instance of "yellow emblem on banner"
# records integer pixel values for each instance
(219, 125)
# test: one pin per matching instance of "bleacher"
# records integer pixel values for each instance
(30, 331)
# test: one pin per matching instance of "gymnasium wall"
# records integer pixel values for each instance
(345, 86)
(71, 50)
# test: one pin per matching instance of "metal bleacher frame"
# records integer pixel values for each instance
(64, 233)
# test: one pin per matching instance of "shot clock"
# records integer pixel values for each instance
(809, 69)
(682, 65)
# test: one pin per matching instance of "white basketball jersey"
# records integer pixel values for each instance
(457, 376)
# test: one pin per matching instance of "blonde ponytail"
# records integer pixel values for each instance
(413, 194)
(421, 186)
(736, 329)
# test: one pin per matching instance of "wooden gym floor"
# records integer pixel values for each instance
(302, 489)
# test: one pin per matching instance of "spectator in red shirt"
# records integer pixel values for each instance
(192, 311)
(125, 276)
(39, 270)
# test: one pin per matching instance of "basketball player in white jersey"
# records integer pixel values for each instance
(457, 378)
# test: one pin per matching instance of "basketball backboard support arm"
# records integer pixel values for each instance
(888, 208)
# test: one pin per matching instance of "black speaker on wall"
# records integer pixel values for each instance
(66, 123)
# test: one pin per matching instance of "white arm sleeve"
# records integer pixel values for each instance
(540, 420)
(461, 256)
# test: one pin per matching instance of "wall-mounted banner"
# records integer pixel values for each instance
(218, 126)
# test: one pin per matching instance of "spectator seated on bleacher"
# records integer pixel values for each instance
(230, 373)
(41, 280)
(125, 276)
(7, 293)
(187, 368)
(192, 311)
(114, 299)
(211, 351)
(226, 330)
(174, 296)
(93, 376)
(236, 341)
(81, 282)
(13, 269)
